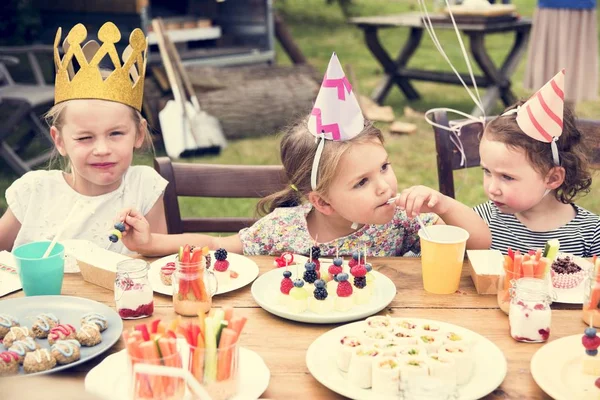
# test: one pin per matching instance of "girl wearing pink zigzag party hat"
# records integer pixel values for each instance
(534, 167)
(342, 190)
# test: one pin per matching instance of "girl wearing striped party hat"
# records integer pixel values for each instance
(341, 189)
(533, 168)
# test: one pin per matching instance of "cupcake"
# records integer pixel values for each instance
(566, 274)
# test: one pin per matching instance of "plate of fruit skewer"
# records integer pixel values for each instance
(334, 292)
(233, 271)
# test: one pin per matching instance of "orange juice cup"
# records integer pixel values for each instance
(442, 256)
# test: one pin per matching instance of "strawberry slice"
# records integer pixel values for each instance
(233, 274)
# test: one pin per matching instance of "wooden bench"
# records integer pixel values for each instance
(449, 158)
(219, 181)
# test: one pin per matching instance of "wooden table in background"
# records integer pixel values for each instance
(283, 344)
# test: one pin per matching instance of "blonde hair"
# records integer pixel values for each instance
(297, 151)
(56, 117)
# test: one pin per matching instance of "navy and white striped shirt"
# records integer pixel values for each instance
(580, 236)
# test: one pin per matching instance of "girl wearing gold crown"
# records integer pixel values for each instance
(96, 126)
(533, 168)
(342, 190)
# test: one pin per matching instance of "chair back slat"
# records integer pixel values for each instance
(214, 180)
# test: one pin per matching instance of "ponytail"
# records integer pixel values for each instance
(287, 197)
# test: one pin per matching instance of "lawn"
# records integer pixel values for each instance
(320, 29)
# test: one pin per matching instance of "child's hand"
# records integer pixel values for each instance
(137, 236)
(420, 199)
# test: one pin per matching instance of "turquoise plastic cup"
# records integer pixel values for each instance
(40, 276)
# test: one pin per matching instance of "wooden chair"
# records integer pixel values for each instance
(449, 157)
(214, 180)
(24, 100)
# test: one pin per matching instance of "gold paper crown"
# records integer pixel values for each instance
(124, 84)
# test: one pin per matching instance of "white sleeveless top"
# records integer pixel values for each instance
(42, 200)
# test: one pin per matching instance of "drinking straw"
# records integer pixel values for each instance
(423, 227)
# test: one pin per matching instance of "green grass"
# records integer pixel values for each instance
(320, 29)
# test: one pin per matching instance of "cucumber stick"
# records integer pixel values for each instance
(210, 361)
(551, 249)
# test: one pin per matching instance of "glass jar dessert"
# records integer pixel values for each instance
(134, 296)
(193, 287)
(530, 314)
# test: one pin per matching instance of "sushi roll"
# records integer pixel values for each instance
(404, 336)
(375, 335)
(430, 328)
(403, 323)
(442, 367)
(379, 321)
(456, 338)
(411, 367)
(390, 348)
(361, 366)
(24, 346)
(347, 346)
(416, 351)
(463, 359)
(7, 322)
(44, 322)
(432, 343)
(386, 376)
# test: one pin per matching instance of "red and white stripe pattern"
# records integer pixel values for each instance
(541, 117)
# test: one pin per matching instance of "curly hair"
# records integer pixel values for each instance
(297, 151)
(570, 145)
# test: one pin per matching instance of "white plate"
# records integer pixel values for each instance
(489, 371)
(573, 295)
(245, 267)
(265, 291)
(110, 379)
(556, 368)
(69, 310)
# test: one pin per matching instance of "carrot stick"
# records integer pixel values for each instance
(167, 357)
(237, 324)
(508, 271)
(226, 348)
(527, 269)
(228, 314)
(150, 356)
(540, 268)
(198, 363)
(594, 299)
(517, 266)
(538, 254)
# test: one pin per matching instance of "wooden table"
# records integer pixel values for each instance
(495, 79)
(283, 343)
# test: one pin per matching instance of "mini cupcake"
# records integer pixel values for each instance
(95, 318)
(166, 273)
(38, 361)
(16, 333)
(61, 332)
(566, 274)
(9, 363)
(24, 346)
(66, 351)
(7, 322)
(89, 335)
(44, 322)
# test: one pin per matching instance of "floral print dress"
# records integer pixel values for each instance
(285, 229)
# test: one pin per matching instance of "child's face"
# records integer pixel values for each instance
(509, 180)
(98, 137)
(365, 181)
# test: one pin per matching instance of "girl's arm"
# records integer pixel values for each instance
(9, 229)
(418, 199)
(138, 237)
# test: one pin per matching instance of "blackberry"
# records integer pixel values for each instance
(310, 276)
(316, 252)
(221, 254)
(320, 293)
(360, 281)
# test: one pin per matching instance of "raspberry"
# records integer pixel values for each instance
(545, 333)
(221, 265)
(344, 289)
(310, 276)
(144, 310)
(359, 271)
(334, 269)
(590, 343)
(352, 263)
(360, 281)
(279, 262)
(221, 254)
(286, 285)
(316, 252)
(320, 293)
